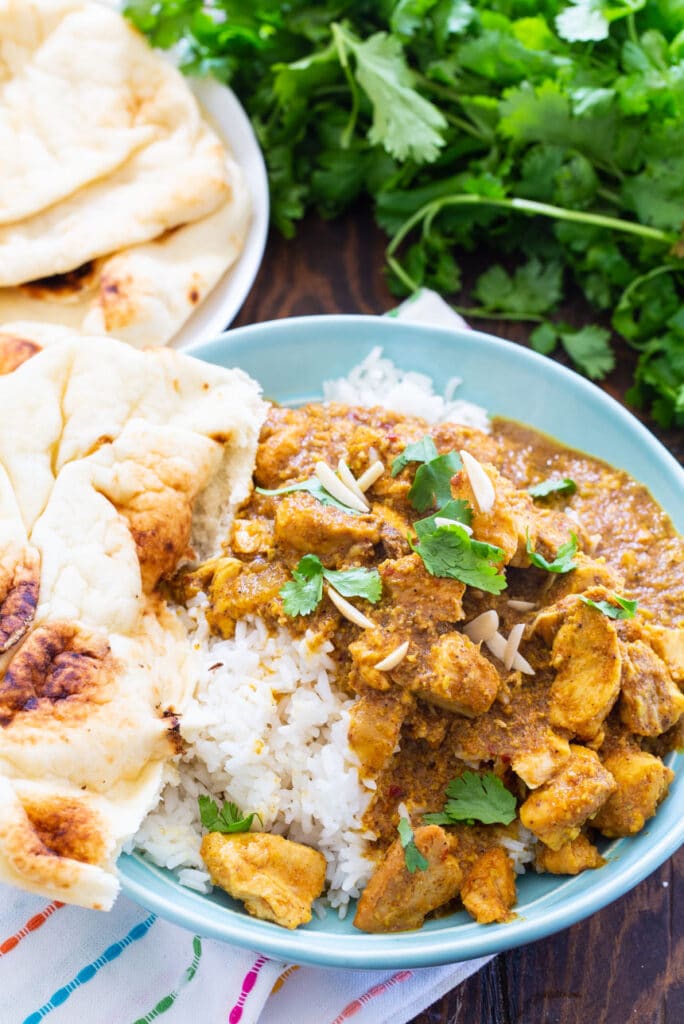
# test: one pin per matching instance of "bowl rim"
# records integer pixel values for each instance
(440, 945)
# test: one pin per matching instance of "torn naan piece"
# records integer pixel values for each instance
(144, 294)
(128, 459)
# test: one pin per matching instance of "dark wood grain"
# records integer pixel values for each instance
(624, 965)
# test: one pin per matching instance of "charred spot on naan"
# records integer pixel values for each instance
(19, 589)
(67, 827)
(67, 287)
(59, 662)
(14, 351)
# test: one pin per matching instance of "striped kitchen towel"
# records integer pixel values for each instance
(66, 965)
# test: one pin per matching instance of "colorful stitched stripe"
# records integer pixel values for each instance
(88, 972)
(32, 925)
(282, 978)
(248, 983)
(188, 974)
(377, 990)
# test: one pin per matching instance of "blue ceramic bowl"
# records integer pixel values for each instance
(291, 358)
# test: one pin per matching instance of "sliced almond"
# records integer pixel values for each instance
(483, 488)
(347, 477)
(334, 486)
(393, 659)
(497, 645)
(443, 521)
(347, 609)
(483, 627)
(521, 606)
(373, 473)
(512, 644)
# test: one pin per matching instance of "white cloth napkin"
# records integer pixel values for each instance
(72, 966)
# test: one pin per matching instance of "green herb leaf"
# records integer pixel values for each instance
(450, 552)
(312, 486)
(420, 451)
(456, 509)
(473, 797)
(552, 486)
(302, 594)
(625, 609)
(590, 349)
(432, 482)
(562, 563)
(366, 583)
(304, 591)
(404, 122)
(228, 820)
(415, 861)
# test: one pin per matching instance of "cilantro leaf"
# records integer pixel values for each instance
(473, 797)
(415, 861)
(456, 509)
(404, 122)
(420, 451)
(303, 593)
(552, 486)
(449, 552)
(562, 563)
(228, 820)
(432, 482)
(590, 349)
(312, 486)
(533, 288)
(365, 583)
(625, 609)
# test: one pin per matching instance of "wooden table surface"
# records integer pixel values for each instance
(624, 965)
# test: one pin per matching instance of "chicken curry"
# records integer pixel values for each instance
(507, 615)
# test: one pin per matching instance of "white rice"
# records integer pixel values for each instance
(377, 381)
(268, 728)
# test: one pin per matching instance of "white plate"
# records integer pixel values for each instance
(228, 118)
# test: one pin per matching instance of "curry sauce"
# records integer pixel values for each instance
(570, 701)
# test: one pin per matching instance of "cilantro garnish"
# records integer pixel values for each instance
(229, 819)
(473, 797)
(415, 861)
(456, 509)
(432, 482)
(562, 563)
(625, 609)
(559, 121)
(420, 451)
(552, 486)
(305, 590)
(312, 486)
(450, 551)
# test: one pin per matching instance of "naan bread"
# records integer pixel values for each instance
(166, 168)
(143, 295)
(110, 461)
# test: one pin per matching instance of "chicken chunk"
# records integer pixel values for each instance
(233, 596)
(586, 656)
(588, 573)
(488, 890)
(541, 759)
(304, 524)
(376, 720)
(252, 536)
(572, 858)
(650, 703)
(428, 599)
(394, 530)
(642, 782)
(669, 645)
(396, 900)
(507, 523)
(557, 810)
(277, 879)
(458, 677)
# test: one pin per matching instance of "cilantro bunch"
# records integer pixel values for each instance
(547, 133)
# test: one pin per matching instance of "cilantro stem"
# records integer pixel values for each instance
(341, 39)
(429, 211)
(664, 268)
(487, 314)
(403, 275)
